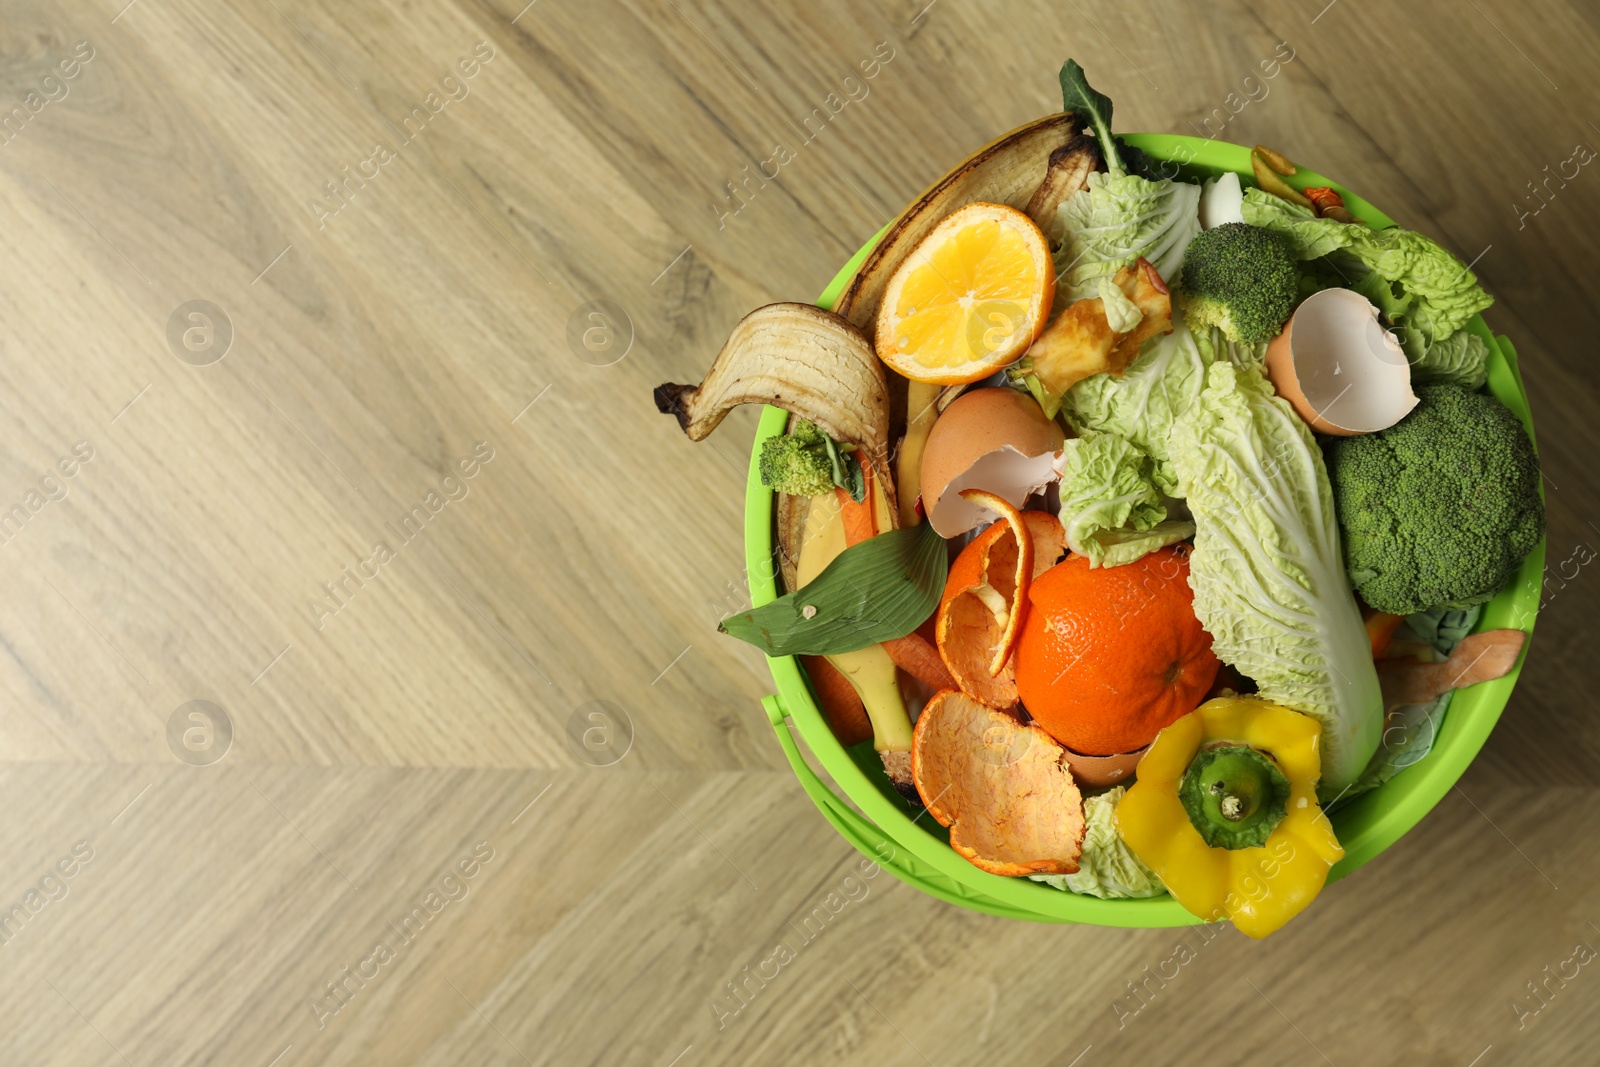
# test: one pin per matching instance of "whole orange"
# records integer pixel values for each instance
(1109, 656)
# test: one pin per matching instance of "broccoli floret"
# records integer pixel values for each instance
(1437, 510)
(1240, 278)
(797, 463)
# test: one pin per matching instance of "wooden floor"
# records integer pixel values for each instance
(472, 779)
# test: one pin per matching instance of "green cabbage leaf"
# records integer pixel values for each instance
(1141, 405)
(1107, 868)
(1111, 510)
(1117, 220)
(1267, 569)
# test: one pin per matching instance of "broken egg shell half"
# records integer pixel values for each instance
(1339, 368)
(1093, 772)
(996, 439)
(1221, 201)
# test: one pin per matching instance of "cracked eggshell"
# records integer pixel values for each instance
(996, 439)
(1339, 368)
(1221, 201)
(1093, 772)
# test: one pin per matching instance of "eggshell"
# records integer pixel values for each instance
(1339, 368)
(1095, 771)
(1221, 201)
(996, 439)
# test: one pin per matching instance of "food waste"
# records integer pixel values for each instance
(1125, 510)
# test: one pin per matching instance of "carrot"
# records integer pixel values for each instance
(1380, 630)
(920, 659)
(1324, 197)
(860, 519)
(840, 702)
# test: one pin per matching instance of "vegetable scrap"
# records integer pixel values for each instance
(1439, 509)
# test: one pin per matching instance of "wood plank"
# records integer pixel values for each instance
(409, 656)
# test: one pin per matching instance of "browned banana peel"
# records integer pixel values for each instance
(1479, 657)
(791, 522)
(807, 361)
(1068, 172)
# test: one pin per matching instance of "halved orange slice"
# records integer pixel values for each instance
(969, 299)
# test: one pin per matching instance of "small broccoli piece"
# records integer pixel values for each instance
(797, 463)
(1240, 278)
(1439, 509)
(807, 462)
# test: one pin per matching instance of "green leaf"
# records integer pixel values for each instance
(1138, 161)
(1077, 95)
(882, 588)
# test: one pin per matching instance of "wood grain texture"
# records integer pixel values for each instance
(434, 709)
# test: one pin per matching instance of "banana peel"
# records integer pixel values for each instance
(1068, 172)
(798, 357)
(1007, 171)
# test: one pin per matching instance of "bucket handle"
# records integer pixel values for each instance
(867, 838)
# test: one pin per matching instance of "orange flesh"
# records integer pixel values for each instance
(980, 262)
(970, 298)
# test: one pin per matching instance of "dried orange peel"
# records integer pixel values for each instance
(1001, 787)
(985, 596)
(1021, 575)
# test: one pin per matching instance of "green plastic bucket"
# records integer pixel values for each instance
(909, 844)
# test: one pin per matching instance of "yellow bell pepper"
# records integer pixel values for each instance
(1281, 844)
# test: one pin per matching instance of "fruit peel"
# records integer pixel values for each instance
(999, 785)
(969, 635)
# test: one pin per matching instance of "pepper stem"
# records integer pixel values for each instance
(1235, 795)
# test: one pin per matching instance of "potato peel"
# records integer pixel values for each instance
(1080, 343)
(1479, 657)
(1000, 786)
